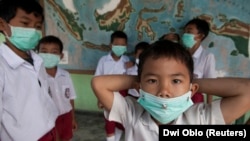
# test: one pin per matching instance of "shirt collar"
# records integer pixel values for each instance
(60, 72)
(14, 61)
(198, 52)
(110, 58)
(148, 121)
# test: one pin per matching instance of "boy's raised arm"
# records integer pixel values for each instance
(235, 93)
(103, 87)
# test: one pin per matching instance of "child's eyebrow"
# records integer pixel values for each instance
(178, 74)
(149, 74)
(25, 17)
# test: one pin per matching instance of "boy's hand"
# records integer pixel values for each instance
(129, 64)
(99, 104)
(74, 125)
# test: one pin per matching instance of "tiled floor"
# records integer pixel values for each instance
(90, 127)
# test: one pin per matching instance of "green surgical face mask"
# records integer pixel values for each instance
(50, 60)
(119, 50)
(24, 38)
(188, 40)
(165, 110)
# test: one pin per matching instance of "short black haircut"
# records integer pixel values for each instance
(201, 25)
(118, 34)
(50, 39)
(177, 35)
(141, 46)
(167, 49)
(8, 8)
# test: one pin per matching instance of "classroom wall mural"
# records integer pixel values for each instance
(85, 27)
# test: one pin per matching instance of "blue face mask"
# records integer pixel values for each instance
(24, 38)
(162, 109)
(119, 50)
(50, 60)
(188, 40)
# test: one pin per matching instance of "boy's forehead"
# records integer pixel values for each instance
(21, 14)
(165, 66)
(191, 27)
(49, 46)
(120, 41)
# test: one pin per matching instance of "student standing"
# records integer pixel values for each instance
(60, 85)
(165, 75)
(114, 63)
(27, 112)
(196, 30)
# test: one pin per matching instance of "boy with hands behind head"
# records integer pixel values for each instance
(165, 74)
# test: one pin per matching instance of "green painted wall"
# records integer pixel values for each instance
(86, 100)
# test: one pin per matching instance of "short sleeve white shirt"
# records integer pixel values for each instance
(132, 70)
(139, 125)
(62, 90)
(107, 65)
(204, 64)
(27, 111)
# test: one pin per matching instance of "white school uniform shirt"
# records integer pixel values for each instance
(107, 65)
(204, 64)
(133, 71)
(62, 90)
(139, 125)
(27, 111)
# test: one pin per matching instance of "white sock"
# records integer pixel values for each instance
(118, 134)
(111, 138)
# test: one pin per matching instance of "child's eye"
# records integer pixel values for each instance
(39, 27)
(176, 81)
(25, 23)
(151, 81)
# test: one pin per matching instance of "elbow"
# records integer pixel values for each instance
(94, 84)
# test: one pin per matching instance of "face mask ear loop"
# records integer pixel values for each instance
(7, 36)
(190, 86)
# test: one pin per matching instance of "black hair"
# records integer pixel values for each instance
(201, 25)
(141, 46)
(118, 34)
(50, 39)
(167, 49)
(163, 36)
(8, 8)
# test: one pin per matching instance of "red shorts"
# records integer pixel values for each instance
(111, 125)
(64, 126)
(197, 97)
(124, 93)
(50, 136)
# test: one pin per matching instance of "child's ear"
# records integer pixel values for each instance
(194, 88)
(201, 36)
(2, 24)
(62, 55)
